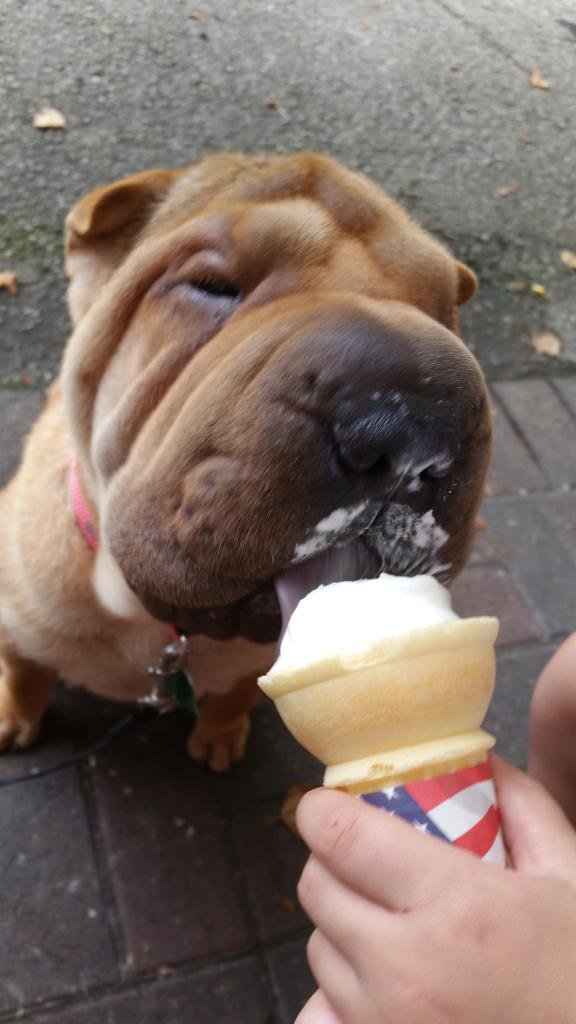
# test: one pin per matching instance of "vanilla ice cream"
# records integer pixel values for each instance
(351, 617)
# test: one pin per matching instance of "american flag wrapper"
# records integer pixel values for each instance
(460, 808)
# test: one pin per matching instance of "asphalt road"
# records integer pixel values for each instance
(431, 97)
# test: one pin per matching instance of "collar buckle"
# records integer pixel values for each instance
(173, 686)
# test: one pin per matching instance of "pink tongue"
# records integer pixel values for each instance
(351, 562)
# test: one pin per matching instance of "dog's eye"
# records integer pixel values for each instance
(218, 289)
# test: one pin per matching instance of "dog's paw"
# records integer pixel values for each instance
(16, 733)
(219, 744)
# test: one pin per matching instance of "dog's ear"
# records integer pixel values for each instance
(102, 228)
(467, 283)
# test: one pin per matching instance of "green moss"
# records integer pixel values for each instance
(21, 383)
(21, 241)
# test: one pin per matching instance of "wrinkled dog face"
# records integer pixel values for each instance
(265, 375)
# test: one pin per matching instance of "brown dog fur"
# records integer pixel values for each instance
(290, 230)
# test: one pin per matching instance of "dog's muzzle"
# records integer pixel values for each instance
(359, 446)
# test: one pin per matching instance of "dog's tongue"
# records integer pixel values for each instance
(350, 562)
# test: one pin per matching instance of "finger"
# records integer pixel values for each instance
(539, 837)
(334, 975)
(345, 917)
(317, 1011)
(553, 727)
(378, 855)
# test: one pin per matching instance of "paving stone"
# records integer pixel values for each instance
(227, 994)
(483, 591)
(271, 859)
(560, 511)
(482, 551)
(54, 934)
(567, 388)
(508, 716)
(292, 979)
(539, 557)
(167, 848)
(18, 410)
(82, 717)
(547, 426)
(274, 761)
(513, 468)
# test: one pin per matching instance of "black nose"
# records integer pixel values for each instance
(401, 438)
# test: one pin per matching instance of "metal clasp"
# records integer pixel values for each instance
(171, 661)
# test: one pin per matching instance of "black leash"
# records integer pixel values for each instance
(172, 689)
(81, 755)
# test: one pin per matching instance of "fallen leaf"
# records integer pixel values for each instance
(479, 523)
(289, 905)
(290, 803)
(49, 117)
(507, 190)
(272, 103)
(538, 289)
(536, 80)
(8, 281)
(515, 286)
(568, 258)
(546, 344)
(195, 15)
(523, 138)
(367, 23)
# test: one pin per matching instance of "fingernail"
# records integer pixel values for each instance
(317, 809)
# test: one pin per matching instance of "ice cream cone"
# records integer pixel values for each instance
(396, 719)
(407, 708)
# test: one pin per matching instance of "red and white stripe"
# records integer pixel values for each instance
(463, 806)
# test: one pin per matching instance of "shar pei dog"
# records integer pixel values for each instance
(264, 390)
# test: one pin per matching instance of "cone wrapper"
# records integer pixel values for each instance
(459, 807)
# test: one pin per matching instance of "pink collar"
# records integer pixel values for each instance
(80, 506)
(84, 517)
(173, 685)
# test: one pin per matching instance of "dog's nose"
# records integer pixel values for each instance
(398, 395)
(402, 439)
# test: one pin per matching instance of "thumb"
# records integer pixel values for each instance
(317, 1011)
(539, 837)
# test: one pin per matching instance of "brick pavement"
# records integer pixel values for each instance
(139, 888)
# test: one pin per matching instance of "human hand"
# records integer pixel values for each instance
(553, 726)
(411, 929)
